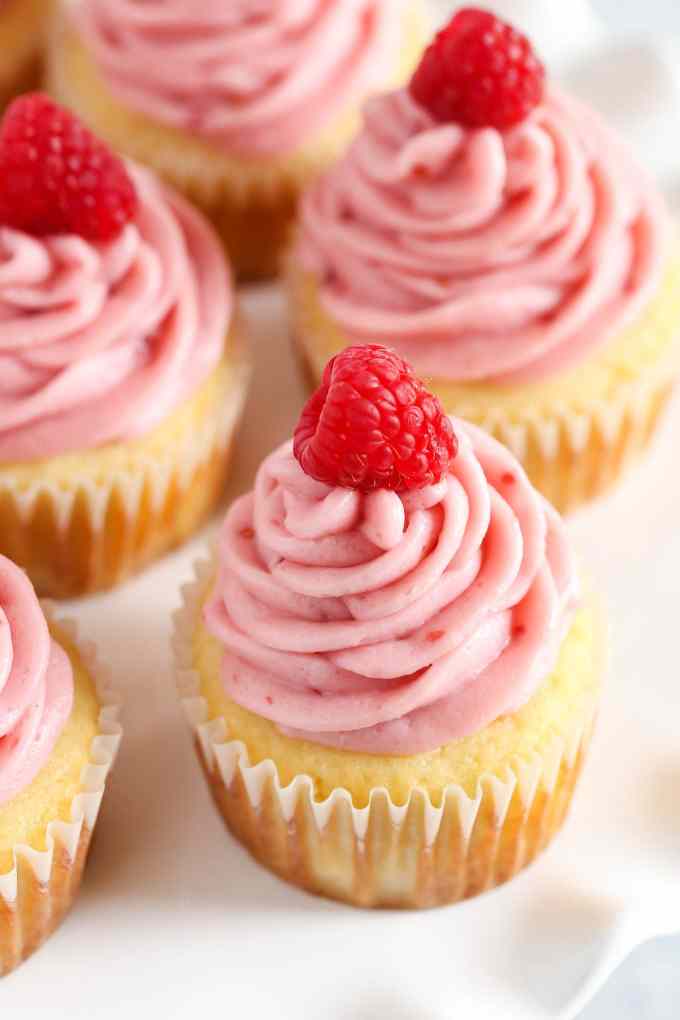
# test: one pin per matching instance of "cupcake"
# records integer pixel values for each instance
(237, 105)
(122, 374)
(22, 37)
(504, 241)
(58, 738)
(390, 670)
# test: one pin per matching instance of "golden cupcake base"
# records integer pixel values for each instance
(26, 79)
(82, 523)
(39, 907)
(250, 201)
(394, 862)
(254, 227)
(23, 31)
(40, 875)
(577, 458)
(380, 831)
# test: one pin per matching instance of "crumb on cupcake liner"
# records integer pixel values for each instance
(40, 888)
(413, 855)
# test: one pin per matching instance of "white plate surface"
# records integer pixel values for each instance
(174, 917)
(175, 914)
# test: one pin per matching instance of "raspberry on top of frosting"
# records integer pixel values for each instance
(479, 71)
(57, 178)
(36, 683)
(391, 622)
(255, 76)
(373, 425)
(480, 253)
(102, 337)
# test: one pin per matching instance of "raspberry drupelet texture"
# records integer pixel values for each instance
(373, 425)
(57, 178)
(479, 72)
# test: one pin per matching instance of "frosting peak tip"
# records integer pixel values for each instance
(373, 425)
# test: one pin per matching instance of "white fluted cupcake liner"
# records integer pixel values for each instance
(38, 891)
(418, 854)
(102, 527)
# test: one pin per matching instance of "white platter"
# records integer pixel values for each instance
(176, 916)
(176, 920)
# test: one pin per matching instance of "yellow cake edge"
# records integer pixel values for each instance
(90, 743)
(73, 78)
(102, 464)
(643, 356)
(362, 775)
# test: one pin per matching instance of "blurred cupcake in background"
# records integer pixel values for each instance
(390, 669)
(23, 33)
(122, 374)
(58, 738)
(501, 237)
(237, 104)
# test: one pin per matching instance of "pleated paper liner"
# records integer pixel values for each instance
(382, 855)
(572, 454)
(39, 890)
(251, 202)
(99, 526)
(575, 457)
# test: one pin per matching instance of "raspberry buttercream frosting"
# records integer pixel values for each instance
(391, 622)
(255, 76)
(483, 254)
(99, 341)
(36, 683)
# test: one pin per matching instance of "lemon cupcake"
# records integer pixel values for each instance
(22, 39)
(237, 105)
(503, 240)
(58, 738)
(122, 374)
(391, 674)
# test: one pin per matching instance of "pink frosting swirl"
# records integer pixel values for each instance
(391, 623)
(258, 76)
(480, 254)
(36, 683)
(99, 342)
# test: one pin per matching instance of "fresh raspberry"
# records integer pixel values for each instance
(479, 72)
(373, 425)
(56, 177)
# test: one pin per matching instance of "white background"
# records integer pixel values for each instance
(640, 15)
(647, 986)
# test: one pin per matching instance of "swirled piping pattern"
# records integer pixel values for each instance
(255, 76)
(101, 341)
(482, 255)
(36, 684)
(391, 623)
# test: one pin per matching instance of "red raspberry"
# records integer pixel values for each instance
(56, 177)
(480, 72)
(373, 425)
